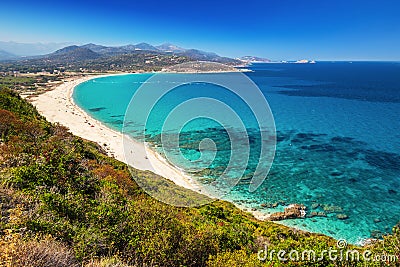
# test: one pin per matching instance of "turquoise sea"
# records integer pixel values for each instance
(337, 132)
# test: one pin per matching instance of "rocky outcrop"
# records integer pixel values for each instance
(293, 211)
(342, 216)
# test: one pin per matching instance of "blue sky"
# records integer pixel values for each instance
(279, 29)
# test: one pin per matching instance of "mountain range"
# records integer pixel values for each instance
(13, 50)
(94, 57)
(105, 58)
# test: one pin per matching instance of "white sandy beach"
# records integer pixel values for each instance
(58, 106)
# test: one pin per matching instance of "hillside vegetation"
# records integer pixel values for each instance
(65, 203)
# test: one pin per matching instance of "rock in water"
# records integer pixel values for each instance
(342, 216)
(293, 211)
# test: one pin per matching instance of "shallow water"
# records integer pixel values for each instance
(338, 145)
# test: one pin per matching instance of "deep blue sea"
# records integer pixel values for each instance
(337, 132)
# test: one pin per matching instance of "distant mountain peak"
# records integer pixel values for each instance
(66, 49)
(73, 53)
(93, 46)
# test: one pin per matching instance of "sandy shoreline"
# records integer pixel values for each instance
(57, 105)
